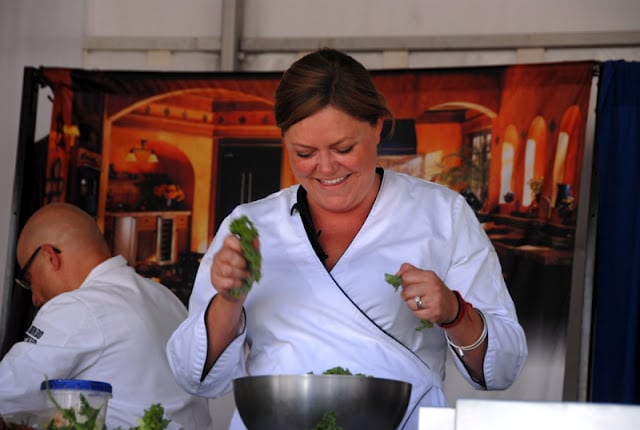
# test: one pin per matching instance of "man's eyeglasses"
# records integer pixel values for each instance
(21, 278)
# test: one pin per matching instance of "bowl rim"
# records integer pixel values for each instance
(319, 376)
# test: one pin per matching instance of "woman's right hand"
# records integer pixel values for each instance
(229, 269)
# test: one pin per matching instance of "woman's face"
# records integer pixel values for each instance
(333, 156)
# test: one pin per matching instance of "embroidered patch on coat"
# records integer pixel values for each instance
(33, 334)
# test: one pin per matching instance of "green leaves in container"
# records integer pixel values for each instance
(243, 229)
(87, 417)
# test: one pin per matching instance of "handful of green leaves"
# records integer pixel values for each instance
(244, 229)
(396, 282)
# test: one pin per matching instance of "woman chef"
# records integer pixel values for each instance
(326, 244)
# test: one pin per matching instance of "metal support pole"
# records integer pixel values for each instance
(232, 18)
(578, 343)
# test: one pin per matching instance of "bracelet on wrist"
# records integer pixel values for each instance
(462, 305)
(461, 349)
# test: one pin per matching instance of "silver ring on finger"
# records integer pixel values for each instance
(418, 301)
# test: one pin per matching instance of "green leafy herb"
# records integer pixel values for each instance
(328, 422)
(340, 371)
(337, 371)
(424, 324)
(396, 282)
(153, 419)
(87, 418)
(244, 229)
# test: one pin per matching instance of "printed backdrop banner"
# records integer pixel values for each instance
(160, 158)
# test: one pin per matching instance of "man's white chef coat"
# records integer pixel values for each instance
(114, 328)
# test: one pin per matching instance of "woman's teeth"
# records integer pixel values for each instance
(332, 181)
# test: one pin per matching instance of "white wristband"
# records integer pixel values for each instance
(461, 349)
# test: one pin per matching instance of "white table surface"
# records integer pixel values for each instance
(474, 414)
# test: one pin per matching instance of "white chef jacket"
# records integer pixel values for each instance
(114, 328)
(301, 318)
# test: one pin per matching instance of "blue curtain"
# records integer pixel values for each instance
(616, 343)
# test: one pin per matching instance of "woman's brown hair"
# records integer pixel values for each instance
(327, 77)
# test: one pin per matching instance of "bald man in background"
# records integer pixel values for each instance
(98, 320)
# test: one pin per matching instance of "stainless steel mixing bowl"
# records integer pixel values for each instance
(299, 402)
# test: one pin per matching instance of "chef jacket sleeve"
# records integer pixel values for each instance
(187, 353)
(188, 345)
(63, 339)
(476, 273)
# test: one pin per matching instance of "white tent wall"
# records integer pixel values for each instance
(212, 35)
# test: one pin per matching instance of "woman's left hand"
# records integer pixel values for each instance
(431, 300)
(426, 295)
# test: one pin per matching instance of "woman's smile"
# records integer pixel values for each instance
(335, 181)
